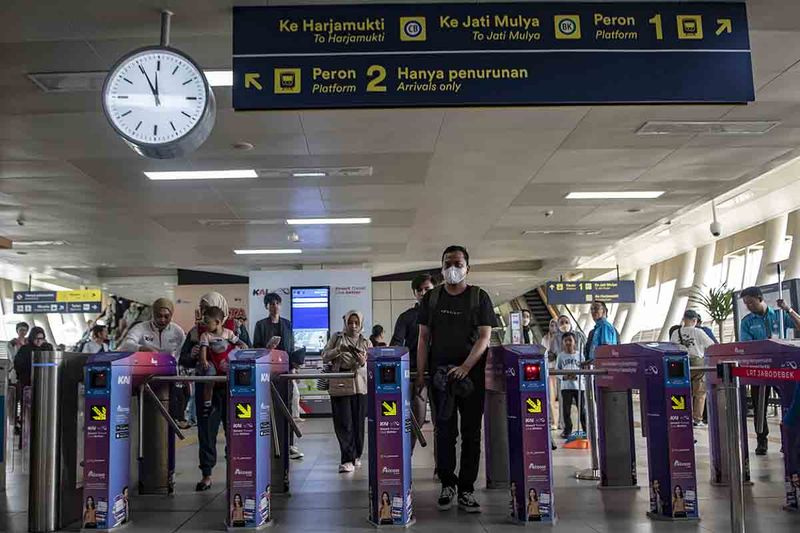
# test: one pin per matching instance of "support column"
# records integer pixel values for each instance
(775, 234)
(618, 321)
(629, 329)
(679, 294)
(793, 264)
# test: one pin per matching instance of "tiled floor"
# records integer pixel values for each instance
(323, 500)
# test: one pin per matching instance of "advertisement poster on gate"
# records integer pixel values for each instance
(535, 435)
(681, 456)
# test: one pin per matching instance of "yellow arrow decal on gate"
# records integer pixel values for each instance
(389, 408)
(251, 79)
(534, 406)
(244, 410)
(678, 402)
(99, 413)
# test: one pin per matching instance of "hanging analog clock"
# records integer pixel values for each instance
(158, 100)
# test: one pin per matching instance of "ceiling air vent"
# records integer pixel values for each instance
(63, 82)
(666, 127)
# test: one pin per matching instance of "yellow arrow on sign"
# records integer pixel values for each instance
(678, 403)
(100, 413)
(389, 408)
(534, 406)
(725, 25)
(245, 410)
(251, 78)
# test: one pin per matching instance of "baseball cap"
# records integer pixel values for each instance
(691, 314)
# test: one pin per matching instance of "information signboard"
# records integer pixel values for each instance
(79, 301)
(484, 54)
(584, 292)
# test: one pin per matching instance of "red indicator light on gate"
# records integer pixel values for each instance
(532, 371)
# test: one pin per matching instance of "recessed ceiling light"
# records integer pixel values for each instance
(202, 174)
(326, 221)
(613, 195)
(219, 78)
(269, 251)
(309, 174)
(561, 232)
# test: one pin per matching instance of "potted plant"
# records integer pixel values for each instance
(718, 303)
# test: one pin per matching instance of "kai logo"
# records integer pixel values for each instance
(124, 380)
(412, 29)
(265, 378)
(651, 370)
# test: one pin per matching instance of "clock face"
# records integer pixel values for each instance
(155, 96)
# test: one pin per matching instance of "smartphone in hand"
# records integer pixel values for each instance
(273, 342)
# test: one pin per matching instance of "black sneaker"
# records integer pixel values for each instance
(761, 449)
(468, 503)
(446, 498)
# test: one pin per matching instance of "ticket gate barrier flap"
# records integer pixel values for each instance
(530, 463)
(774, 354)
(51, 404)
(389, 428)
(250, 437)
(282, 421)
(660, 371)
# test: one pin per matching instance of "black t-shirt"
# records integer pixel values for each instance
(453, 330)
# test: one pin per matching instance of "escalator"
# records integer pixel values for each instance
(540, 312)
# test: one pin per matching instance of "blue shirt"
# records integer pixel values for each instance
(602, 334)
(760, 327)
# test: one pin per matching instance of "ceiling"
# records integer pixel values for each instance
(479, 177)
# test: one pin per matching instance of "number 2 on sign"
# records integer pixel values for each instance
(656, 21)
(377, 74)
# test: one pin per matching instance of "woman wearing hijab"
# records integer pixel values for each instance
(37, 342)
(208, 423)
(347, 352)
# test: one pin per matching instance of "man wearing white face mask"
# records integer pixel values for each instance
(455, 324)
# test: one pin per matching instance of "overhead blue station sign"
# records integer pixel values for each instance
(487, 54)
(584, 292)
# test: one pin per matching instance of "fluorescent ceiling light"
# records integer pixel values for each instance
(219, 78)
(24, 244)
(269, 251)
(326, 221)
(615, 195)
(202, 174)
(309, 174)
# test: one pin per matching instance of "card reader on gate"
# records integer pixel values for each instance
(532, 372)
(675, 370)
(243, 378)
(98, 379)
(388, 375)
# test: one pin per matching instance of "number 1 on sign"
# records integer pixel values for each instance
(377, 74)
(656, 21)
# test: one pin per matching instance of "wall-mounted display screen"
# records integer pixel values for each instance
(311, 318)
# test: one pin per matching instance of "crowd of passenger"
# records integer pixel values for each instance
(447, 332)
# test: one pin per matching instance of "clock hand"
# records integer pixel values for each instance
(158, 100)
(152, 89)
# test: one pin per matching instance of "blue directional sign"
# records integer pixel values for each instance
(78, 301)
(584, 292)
(485, 54)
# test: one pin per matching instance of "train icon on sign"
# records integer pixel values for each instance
(413, 29)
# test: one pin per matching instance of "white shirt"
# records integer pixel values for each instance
(695, 340)
(93, 347)
(145, 334)
(570, 361)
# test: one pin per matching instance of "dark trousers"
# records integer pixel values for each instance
(349, 416)
(178, 398)
(470, 412)
(754, 392)
(570, 397)
(208, 426)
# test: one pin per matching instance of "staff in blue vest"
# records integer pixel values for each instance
(763, 322)
(603, 332)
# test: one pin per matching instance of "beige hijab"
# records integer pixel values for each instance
(347, 319)
(215, 299)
